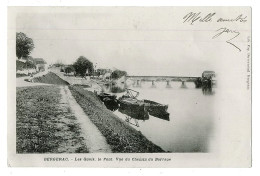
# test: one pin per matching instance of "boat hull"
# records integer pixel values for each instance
(157, 109)
(102, 96)
(136, 110)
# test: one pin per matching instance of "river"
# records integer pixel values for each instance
(191, 121)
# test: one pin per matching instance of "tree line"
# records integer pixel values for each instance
(82, 66)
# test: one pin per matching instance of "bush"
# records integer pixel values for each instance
(118, 74)
(69, 69)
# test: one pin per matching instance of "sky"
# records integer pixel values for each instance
(141, 41)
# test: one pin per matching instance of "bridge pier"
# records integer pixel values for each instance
(183, 85)
(168, 85)
(137, 80)
(153, 84)
(138, 83)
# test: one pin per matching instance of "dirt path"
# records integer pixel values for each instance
(20, 82)
(95, 141)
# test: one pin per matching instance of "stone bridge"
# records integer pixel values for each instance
(138, 79)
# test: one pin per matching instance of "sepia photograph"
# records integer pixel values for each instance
(110, 84)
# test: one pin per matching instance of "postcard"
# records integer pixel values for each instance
(129, 87)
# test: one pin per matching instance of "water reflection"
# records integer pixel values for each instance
(114, 88)
(168, 86)
(207, 91)
(188, 125)
(183, 85)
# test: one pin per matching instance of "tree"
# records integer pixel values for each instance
(69, 69)
(118, 74)
(24, 45)
(83, 66)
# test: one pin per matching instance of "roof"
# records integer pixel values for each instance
(39, 61)
(25, 59)
(208, 72)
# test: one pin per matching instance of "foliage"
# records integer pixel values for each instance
(30, 64)
(83, 66)
(21, 65)
(69, 69)
(24, 45)
(118, 74)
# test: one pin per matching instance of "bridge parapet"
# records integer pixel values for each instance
(163, 78)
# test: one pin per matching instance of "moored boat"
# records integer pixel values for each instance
(134, 108)
(111, 104)
(157, 109)
(140, 109)
(102, 96)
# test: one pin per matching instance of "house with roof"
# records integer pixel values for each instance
(208, 74)
(25, 65)
(40, 63)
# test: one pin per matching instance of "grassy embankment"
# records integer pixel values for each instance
(43, 125)
(119, 135)
(50, 78)
(18, 75)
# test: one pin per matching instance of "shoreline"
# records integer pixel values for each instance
(121, 137)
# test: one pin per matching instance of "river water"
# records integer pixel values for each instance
(191, 121)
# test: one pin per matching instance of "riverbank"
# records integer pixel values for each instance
(44, 124)
(46, 131)
(121, 137)
(50, 78)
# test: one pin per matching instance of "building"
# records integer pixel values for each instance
(208, 74)
(40, 63)
(25, 65)
(103, 71)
